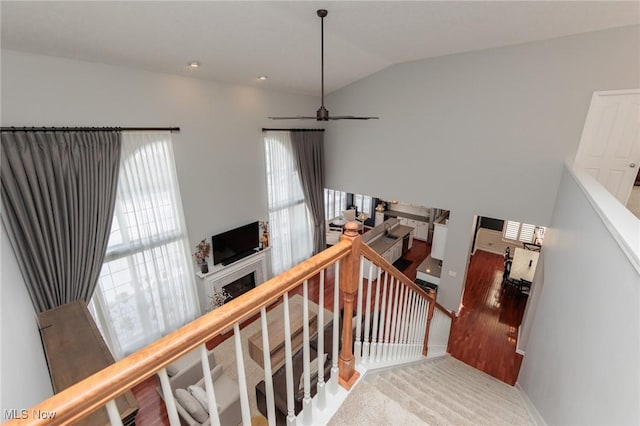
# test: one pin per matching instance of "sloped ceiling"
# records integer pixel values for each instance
(237, 41)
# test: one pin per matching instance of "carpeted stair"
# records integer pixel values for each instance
(441, 391)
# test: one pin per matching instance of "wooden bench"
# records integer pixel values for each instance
(275, 326)
(75, 350)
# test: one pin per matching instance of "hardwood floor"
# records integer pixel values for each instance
(485, 332)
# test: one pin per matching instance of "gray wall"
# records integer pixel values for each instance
(581, 364)
(24, 376)
(219, 159)
(481, 133)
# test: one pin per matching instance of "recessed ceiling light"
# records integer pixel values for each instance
(262, 77)
(194, 64)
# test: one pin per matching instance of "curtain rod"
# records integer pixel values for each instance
(264, 129)
(86, 129)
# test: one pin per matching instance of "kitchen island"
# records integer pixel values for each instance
(390, 239)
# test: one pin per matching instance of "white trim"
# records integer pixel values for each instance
(616, 92)
(519, 350)
(534, 414)
(221, 275)
(621, 223)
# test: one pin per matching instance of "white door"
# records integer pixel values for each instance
(610, 145)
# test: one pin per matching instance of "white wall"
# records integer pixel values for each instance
(481, 133)
(581, 364)
(24, 376)
(219, 160)
(218, 152)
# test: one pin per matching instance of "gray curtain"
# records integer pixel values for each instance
(308, 150)
(58, 195)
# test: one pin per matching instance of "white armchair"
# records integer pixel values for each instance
(350, 216)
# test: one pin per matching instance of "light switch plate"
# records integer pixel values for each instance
(453, 273)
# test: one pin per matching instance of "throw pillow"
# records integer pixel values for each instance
(191, 405)
(201, 395)
(313, 371)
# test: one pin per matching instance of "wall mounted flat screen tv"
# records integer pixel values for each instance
(235, 244)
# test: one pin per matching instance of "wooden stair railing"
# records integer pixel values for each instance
(397, 332)
(103, 387)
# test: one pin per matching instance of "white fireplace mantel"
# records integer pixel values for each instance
(221, 275)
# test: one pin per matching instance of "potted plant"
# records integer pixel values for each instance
(201, 255)
(218, 298)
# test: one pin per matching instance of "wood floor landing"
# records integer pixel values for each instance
(484, 334)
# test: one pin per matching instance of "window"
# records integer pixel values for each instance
(362, 203)
(291, 231)
(523, 232)
(146, 287)
(334, 203)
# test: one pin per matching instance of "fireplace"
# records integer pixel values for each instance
(240, 286)
(238, 277)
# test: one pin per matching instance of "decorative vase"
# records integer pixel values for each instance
(204, 267)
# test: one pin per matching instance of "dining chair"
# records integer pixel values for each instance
(524, 287)
(531, 246)
(507, 254)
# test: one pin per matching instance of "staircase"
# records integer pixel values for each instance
(387, 322)
(441, 391)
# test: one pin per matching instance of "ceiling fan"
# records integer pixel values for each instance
(323, 113)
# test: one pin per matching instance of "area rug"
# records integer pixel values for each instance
(226, 355)
(402, 264)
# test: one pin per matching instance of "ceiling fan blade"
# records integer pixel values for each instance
(297, 117)
(351, 117)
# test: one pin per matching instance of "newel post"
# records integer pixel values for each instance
(432, 305)
(349, 285)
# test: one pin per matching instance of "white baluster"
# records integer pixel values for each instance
(242, 379)
(307, 414)
(214, 417)
(383, 305)
(408, 325)
(266, 357)
(169, 401)
(394, 323)
(321, 392)
(400, 325)
(416, 328)
(357, 346)
(367, 318)
(291, 417)
(405, 321)
(114, 414)
(376, 316)
(414, 324)
(387, 332)
(336, 329)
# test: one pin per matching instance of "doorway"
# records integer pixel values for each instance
(485, 334)
(610, 145)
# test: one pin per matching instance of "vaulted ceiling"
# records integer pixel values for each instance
(235, 42)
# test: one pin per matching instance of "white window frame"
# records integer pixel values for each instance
(522, 232)
(363, 203)
(334, 203)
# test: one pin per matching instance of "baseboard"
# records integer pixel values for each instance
(436, 351)
(534, 414)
